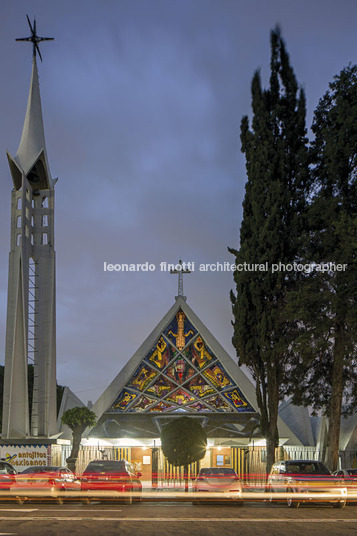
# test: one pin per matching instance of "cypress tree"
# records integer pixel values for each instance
(275, 149)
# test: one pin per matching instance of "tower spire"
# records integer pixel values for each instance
(31, 156)
(31, 304)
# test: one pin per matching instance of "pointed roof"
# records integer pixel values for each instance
(69, 400)
(159, 377)
(31, 156)
(181, 369)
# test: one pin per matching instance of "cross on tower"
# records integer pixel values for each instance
(34, 38)
(180, 271)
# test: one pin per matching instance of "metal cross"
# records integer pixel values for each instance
(34, 38)
(180, 277)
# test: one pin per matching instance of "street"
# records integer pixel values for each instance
(175, 518)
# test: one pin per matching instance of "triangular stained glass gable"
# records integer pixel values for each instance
(180, 372)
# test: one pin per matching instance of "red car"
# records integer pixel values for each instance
(108, 478)
(39, 482)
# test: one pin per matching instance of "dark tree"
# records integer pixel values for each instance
(275, 148)
(326, 349)
(183, 442)
(77, 419)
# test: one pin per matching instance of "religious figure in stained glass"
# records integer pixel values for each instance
(180, 370)
(123, 400)
(236, 399)
(199, 354)
(199, 387)
(180, 331)
(161, 406)
(161, 354)
(142, 377)
(142, 404)
(219, 404)
(217, 377)
(161, 387)
(180, 397)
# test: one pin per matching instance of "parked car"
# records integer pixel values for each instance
(44, 481)
(349, 477)
(107, 478)
(310, 480)
(7, 476)
(217, 483)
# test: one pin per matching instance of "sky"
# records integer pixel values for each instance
(142, 102)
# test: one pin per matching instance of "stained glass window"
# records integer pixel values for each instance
(180, 373)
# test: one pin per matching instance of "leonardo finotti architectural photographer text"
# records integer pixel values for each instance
(226, 267)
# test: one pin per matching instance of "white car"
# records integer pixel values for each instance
(303, 481)
(349, 477)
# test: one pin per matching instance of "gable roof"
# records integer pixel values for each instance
(180, 367)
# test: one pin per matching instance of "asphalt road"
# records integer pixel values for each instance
(176, 519)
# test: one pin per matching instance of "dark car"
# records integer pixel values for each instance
(7, 475)
(45, 481)
(299, 481)
(111, 479)
(217, 483)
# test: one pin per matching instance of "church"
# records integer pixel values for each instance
(180, 369)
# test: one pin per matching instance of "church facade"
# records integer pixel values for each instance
(180, 369)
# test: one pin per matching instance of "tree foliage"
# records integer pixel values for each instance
(183, 441)
(326, 304)
(275, 147)
(77, 419)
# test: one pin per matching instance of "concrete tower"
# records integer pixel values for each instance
(31, 307)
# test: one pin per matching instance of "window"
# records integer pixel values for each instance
(18, 222)
(19, 203)
(45, 220)
(44, 239)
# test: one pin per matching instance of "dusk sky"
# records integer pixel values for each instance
(142, 102)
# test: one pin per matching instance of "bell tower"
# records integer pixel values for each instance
(31, 305)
